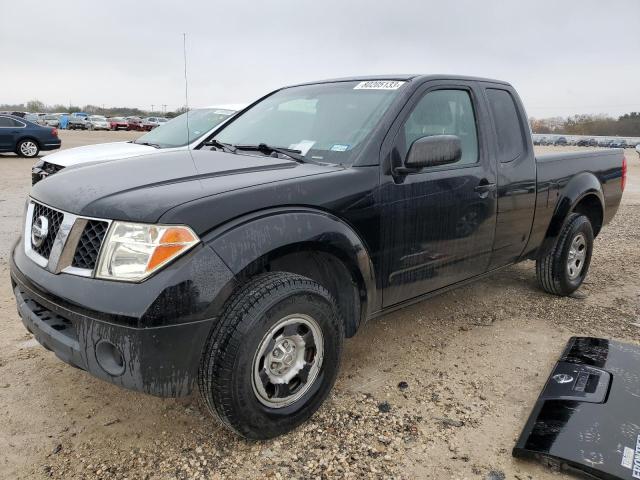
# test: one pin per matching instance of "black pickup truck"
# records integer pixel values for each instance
(241, 266)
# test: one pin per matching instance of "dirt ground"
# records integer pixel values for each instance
(474, 361)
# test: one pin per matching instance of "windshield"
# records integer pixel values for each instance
(50, 117)
(98, 119)
(173, 133)
(326, 122)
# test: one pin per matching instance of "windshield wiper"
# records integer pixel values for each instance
(268, 149)
(218, 144)
(154, 145)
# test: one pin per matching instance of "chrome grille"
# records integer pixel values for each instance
(54, 217)
(89, 244)
(72, 243)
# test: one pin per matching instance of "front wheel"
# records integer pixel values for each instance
(28, 148)
(563, 269)
(274, 355)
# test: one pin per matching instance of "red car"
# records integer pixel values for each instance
(119, 123)
(135, 123)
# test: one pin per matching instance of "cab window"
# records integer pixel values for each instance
(509, 134)
(443, 112)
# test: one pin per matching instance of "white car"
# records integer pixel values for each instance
(170, 136)
(51, 120)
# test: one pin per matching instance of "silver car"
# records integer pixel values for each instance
(98, 122)
(51, 121)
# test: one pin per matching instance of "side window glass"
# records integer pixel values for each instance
(443, 112)
(510, 137)
(6, 122)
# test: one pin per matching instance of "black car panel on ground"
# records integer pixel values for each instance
(586, 418)
(26, 138)
(239, 267)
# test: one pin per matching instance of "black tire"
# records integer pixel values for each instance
(552, 270)
(226, 374)
(28, 148)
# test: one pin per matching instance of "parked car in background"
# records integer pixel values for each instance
(118, 123)
(135, 123)
(36, 118)
(26, 138)
(618, 143)
(583, 142)
(170, 136)
(75, 123)
(98, 122)
(560, 141)
(150, 123)
(51, 120)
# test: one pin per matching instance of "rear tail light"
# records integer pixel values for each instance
(624, 173)
(54, 132)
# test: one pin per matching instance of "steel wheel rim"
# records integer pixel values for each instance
(287, 361)
(28, 148)
(576, 257)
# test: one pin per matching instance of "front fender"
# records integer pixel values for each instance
(243, 241)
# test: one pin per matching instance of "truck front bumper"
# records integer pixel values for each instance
(161, 359)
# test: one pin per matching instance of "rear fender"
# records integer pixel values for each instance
(579, 187)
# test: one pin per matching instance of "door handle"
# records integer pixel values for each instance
(484, 188)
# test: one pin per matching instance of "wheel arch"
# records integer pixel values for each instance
(28, 136)
(582, 194)
(306, 241)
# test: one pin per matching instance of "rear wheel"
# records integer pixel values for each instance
(564, 268)
(273, 357)
(28, 148)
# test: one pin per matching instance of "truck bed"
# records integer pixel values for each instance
(559, 173)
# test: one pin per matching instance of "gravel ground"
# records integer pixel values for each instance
(438, 390)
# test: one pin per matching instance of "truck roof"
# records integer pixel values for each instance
(405, 77)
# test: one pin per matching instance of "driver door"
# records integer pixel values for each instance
(439, 222)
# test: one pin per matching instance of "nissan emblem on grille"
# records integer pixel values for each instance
(39, 231)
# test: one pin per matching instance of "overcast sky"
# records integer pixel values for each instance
(563, 56)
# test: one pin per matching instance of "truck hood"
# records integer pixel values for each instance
(98, 153)
(142, 189)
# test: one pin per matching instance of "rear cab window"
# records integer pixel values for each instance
(510, 137)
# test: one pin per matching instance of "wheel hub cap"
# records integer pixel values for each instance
(28, 148)
(287, 361)
(576, 257)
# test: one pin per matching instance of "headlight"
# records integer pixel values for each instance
(133, 251)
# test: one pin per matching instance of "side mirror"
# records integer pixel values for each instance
(432, 151)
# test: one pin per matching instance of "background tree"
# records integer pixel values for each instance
(36, 106)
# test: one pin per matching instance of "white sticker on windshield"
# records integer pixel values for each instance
(303, 145)
(222, 112)
(627, 457)
(379, 85)
(338, 147)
